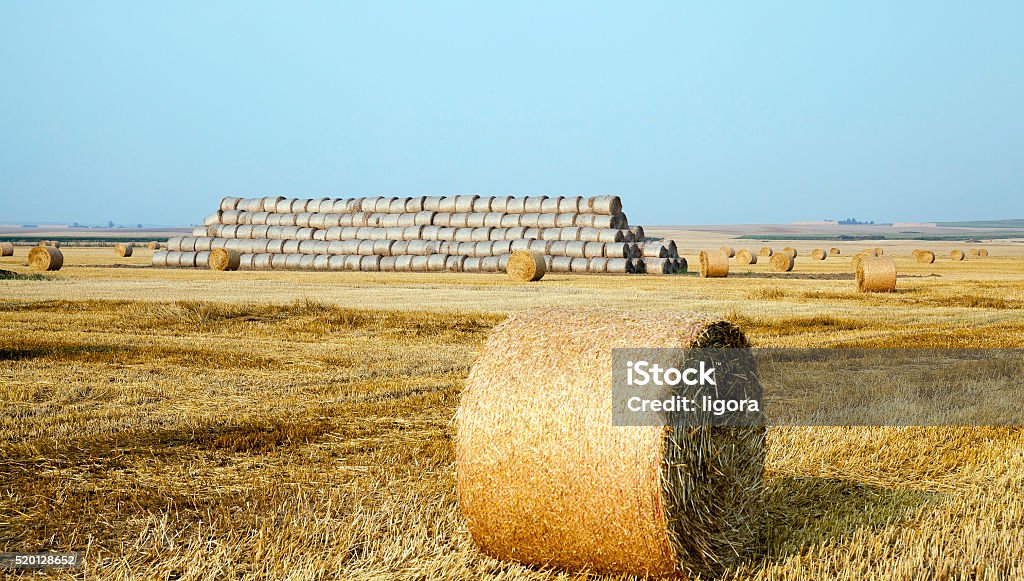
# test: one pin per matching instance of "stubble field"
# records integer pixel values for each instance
(200, 425)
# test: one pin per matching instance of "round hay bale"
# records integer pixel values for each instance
(557, 247)
(124, 249)
(579, 265)
(501, 247)
(560, 264)
(681, 265)
(639, 266)
(575, 249)
(436, 262)
(619, 266)
(746, 257)
(153, 245)
(957, 255)
(973, 252)
(983, 252)
(546, 220)
(387, 263)
(397, 206)
(526, 266)
(6, 249)
(369, 263)
(540, 246)
(638, 232)
(480, 234)
(593, 249)
(533, 204)
(569, 204)
(465, 203)
(655, 501)
(475, 220)
(229, 203)
(490, 264)
(713, 264)
(403, 263)
(781, 262)
(790, 251)
(658, 265)
(160, 258)
(879, 252)
(500, 204)
(818, 254)
(446, 204)
(607, 235)
(728, 251)
(598, 265)
(550, 205)
(634, 251)
(617, 250)
(321, 262)
(604, 205)
(510, 220)
(454, 263)
(471, 264)
(565, 220)
(924, 256)
(45, 258)
(515, 205)
(833, 251)
(482, 204)
(876, 274)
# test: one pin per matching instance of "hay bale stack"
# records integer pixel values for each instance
(45, 258)
(659, 501)
(123, 250)
(713, 264)
(658, 265)
(681, 265)
(957, 255)
(222, 259)
(833, 251)
(781, 262)
(6, 249)
(525, 266)
(746, 257)
(924, 256)
(818, 254)
(876, 274)
(728, 251)
(790, 251)
(765, 251)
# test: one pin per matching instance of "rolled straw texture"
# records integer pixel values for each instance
(765, 251)
(781, 262)
(45, 258)
(818, 254)
(123, 249)
(957, 255)
(222, 259)
(659, 501)
(6, 249)
(833, 251)
(876, 274)
(713, 264)
(746, 257)
(924, 256)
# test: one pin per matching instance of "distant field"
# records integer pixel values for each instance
(1019, 223)
(202, 425)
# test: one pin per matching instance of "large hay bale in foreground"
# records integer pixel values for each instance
(781, 262)
(713, 264)
(525, 266)
(223, 259)
(765, 251)
(876, 274)
(957, 255)
(545, 478)
(123, 250)
(6, 249)
(924, 256)
(818, 254)
(45, 258)
(746, 257)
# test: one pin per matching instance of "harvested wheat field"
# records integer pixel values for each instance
(198, 424)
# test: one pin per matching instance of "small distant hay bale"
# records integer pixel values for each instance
(879, 252)
(153, 245)
(728, 251)
(957, 255)
(123, 249)
(45, 258)
(876, 274)
(818, 254)
(713, 264)
(974, 252)
(781, 262)
(790, 251)
(765, 251)
(833, 251)
(656, 501)
(982, 252)
(746, 257)
(6, 249)
(924, 256)
(222, 259)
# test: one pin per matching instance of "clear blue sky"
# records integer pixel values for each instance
(709, 112)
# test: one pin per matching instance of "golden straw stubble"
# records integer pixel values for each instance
(545, 478)
(223, 259)
(781, 262)
(45, 258)
(876, 274)
(525, 266)
(713, 264)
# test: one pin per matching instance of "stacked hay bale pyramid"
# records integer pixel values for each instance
(423, 234)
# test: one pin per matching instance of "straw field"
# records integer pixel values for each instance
(193, 424)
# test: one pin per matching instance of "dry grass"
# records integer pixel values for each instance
(159, 421)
